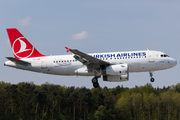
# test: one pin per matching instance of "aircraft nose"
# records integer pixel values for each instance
(174, 63)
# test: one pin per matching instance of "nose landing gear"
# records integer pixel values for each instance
(151, 74)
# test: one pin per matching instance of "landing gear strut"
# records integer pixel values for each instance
(95, 82)
(151, 74)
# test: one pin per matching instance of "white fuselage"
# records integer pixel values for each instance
(138, 61)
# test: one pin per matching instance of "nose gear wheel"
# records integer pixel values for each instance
(151, 74)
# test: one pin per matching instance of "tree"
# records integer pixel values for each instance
(123, 107)
(11, 92)
(84, 96)
(74, 98)
(68, 102)
(97, 98)
(4, 101)
(103, 114)
(177, 87)
(25, 93)
(39, 99)
(49, 101)
(53, 95)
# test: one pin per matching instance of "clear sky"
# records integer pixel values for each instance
(92, 26)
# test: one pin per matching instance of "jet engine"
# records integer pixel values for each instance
(116, 73)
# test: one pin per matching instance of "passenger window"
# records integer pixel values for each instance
(67, 60)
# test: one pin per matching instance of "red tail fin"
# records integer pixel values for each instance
(21, 47)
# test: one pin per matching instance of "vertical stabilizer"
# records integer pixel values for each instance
(21, 47)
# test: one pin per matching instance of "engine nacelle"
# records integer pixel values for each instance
(116, 78)
(116, 73)
(119, 69)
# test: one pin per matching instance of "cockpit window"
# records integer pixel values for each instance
(164, 55)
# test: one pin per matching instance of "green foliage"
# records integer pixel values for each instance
(55, 102)
(177, 87)
(103, 114)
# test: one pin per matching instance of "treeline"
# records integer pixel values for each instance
(27, 101)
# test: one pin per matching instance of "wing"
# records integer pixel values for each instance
(91, 62)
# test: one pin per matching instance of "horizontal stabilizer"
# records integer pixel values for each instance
(18, 61)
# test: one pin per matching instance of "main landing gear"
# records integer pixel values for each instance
(95, 82)
(151, 74)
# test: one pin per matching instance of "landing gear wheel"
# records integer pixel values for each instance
(151, 74)
(96, 84)
(94, 80)
(152, 79)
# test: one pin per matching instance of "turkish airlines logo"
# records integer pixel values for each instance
(22, 48)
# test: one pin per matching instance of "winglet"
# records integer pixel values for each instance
(68, 49)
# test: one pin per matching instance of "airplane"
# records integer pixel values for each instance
(112, 66)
